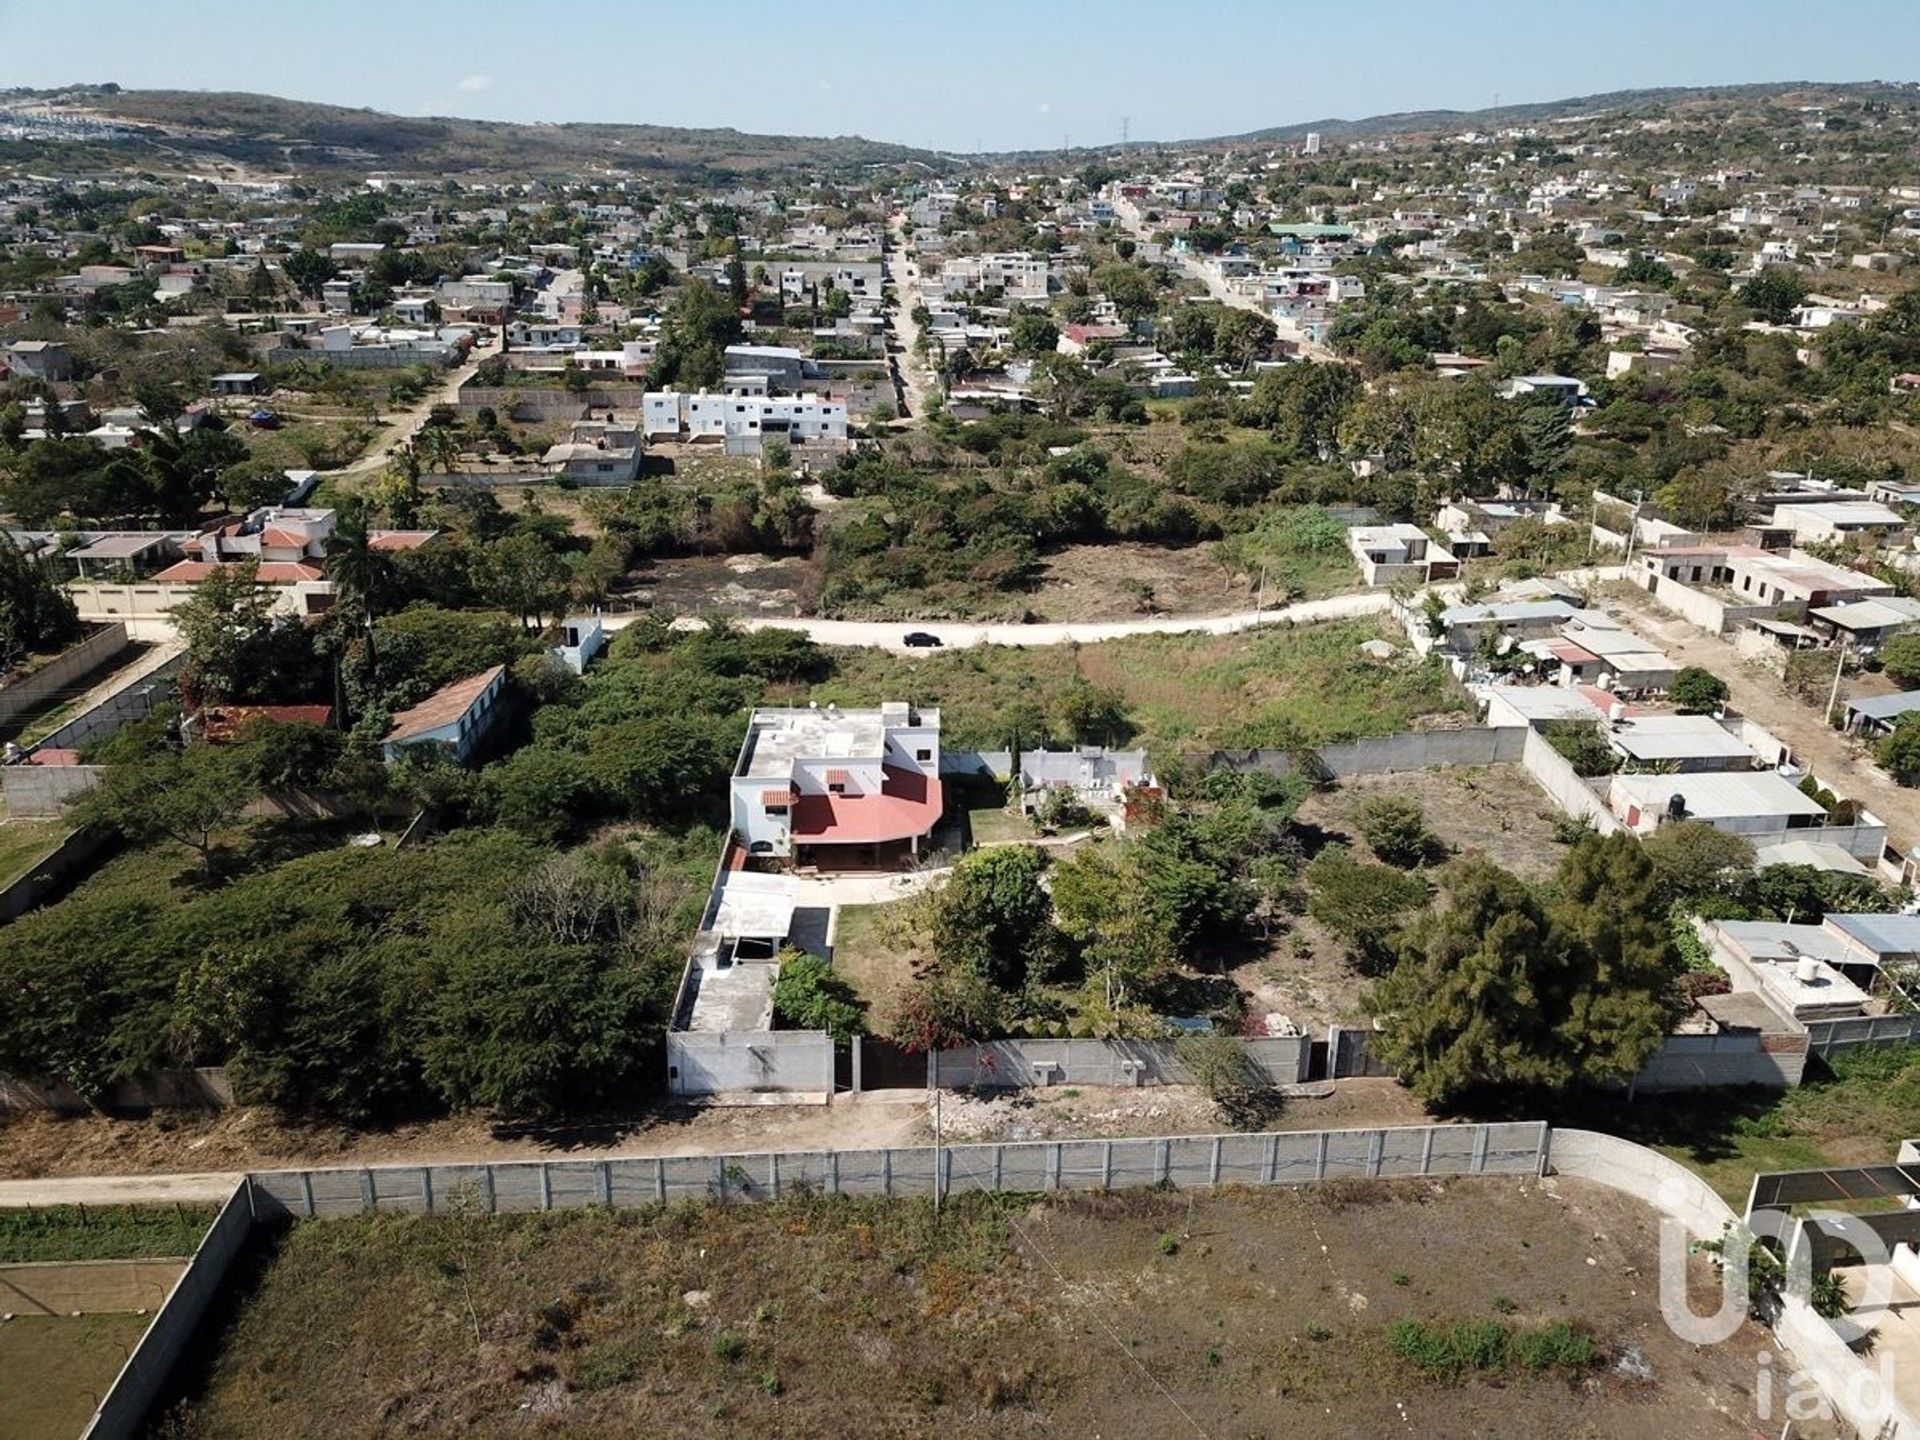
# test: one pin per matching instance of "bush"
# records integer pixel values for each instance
(1444, 1351)
(1396, 831)
(807, 995)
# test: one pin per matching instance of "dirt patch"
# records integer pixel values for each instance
(1496, 812)
(1110, 582)
(57, 1368)
(37, 1145)
(1135, 1314)
(740, 584)
(1490, 812)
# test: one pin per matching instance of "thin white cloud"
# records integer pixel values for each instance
(1045, 106)
(826, 84)
(474, 84)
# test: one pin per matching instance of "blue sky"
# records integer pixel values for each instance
(986, 73)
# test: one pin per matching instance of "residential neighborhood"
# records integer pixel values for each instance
(726, 760)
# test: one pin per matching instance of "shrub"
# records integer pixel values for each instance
(1697, 691)
(1396, 831)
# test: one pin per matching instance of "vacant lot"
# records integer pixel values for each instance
(1494, 812)
(57, 1367)
(101, 1232)
(1279, 685)
(1136, 1314)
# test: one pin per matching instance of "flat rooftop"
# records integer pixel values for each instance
(1677, 737)
(1733, 796)
(725, 994)
(776, 738)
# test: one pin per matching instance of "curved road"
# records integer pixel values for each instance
(960, 635)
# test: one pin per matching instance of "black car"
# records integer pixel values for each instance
(921, 640)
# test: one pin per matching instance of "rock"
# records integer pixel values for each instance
(697, 1299)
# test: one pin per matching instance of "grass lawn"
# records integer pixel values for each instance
(23, 842)
(1856, 1112)
(867, 957)
(1274, 686)
(101, 1232)
(57, 1367)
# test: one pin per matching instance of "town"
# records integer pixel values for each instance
(1172, 746)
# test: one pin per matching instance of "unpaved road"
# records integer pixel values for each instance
(890, 634)
(200, 1156)
(905, 275)
(404, 426)
(1839, 760)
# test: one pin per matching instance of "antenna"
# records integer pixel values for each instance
(1126, 121)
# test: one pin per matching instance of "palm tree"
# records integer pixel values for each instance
(360, 573)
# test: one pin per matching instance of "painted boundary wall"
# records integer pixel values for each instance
(1285, 1158)
(772, 1062)
(1025, 1064)
(60, 672)
(1555, 774)
(123, 1409)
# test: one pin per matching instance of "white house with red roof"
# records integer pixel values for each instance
(838, 789)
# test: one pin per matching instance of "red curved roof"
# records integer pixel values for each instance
(908, 805)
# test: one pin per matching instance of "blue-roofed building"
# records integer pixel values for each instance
(1878, 714)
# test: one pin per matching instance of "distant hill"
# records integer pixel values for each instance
(1421, 122)
(268, 133)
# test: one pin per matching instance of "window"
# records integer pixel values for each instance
(923, 755)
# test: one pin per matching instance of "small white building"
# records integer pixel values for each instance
(742, 421)
(1393, 554)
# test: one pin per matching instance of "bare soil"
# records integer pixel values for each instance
(741, 584)
(34, 1145)
(1495, 812)
(1135, 1314)
(1113, 582)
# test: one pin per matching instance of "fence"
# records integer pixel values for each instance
(133, 701)
(1288, 1158)
(1734, 1057)
(1278, 1060)
(203, 1087)
(1824, 1037)
(1409, 750)
(124, 1407)
(55, 677)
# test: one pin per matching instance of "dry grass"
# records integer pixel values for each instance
(57, 1367)
(1246, 1313)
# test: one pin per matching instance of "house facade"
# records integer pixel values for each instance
(838, 789)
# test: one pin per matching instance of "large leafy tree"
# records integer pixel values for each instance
(36, 615)
(994, 917)
(1504, 986)
(187, 796)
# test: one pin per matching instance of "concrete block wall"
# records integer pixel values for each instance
(59, 673)
(43, 792)
(122, 1411)
(759, 1061)
(1379, 755)
(1286, 1158)
(1702, 1062)
(1554, 774)
(1025, 1064)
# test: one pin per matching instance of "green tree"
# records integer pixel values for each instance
(1697, 691)
(1900, 658)
(1396, 830)
(1364, 905)
(1774, 294)
(1032, 332)
(187, 796)
(1692, 860)
(1899, 750)
(993, 915)
(808, 995)
(1499, 987)
(36, 614)
(522, 574)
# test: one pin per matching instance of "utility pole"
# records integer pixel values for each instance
(1833, 695)
(936, 1131)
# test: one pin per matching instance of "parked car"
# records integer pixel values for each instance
(921, 640)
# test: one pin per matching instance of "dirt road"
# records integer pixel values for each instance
(890, 634)
(1840, 761)
(404, 426)
(905, 275)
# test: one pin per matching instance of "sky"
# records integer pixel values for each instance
(985, 74)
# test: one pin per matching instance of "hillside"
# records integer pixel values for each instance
(270, 133)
